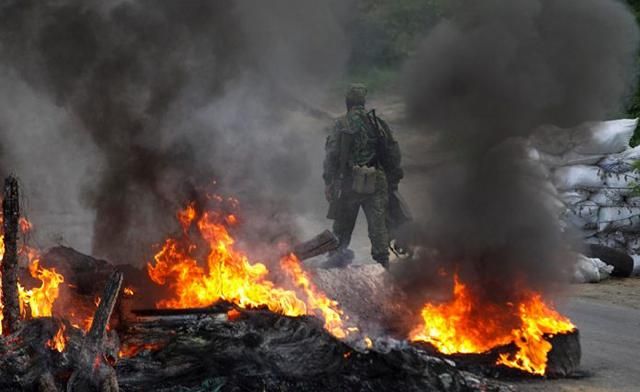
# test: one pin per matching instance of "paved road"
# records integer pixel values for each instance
(610, 338)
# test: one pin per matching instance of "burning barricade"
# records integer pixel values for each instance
(220, 318)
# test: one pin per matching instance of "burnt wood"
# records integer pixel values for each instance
(562, 361)
(320, 244)
(564, 357)
(93, 372)
(221, 307)
(101, 318)
(11, 216)
(260, 350)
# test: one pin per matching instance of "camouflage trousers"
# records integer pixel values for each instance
(375, 210)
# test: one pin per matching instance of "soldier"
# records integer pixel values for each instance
(361, 168)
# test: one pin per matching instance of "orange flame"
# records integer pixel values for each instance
(229, 275)
(131, 350)
(463, 325)
(538, 320)
(58, 341)
(128, 291)
(233, 314)
(325, 308)
(38, 301)
(368, 343)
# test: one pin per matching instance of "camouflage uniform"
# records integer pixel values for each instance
(372, 146)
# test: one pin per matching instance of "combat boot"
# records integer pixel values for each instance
(339, 259)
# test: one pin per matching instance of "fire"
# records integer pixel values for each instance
(538, 319)
(229, 275)
(233, 314)
(131, 350)
(324, 307)
(58, 341)
(463, 325)
(128, 291)
(38, 301)
(368, 342)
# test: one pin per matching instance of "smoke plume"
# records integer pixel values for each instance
(144, 104)
(483, 80)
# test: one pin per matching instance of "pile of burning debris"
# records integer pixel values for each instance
(219, 321)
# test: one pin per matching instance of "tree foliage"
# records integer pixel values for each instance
(384, 33)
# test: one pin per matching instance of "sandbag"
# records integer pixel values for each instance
(574, 196)
(625, 219)
(551, 140)
(590, 270)
(578, 177)
(583, 216)
(633, 244)
(622, 263)
(622, 162)
(615, 240)
(636, 265)
(568, 159)
(632, 201)
(607, 197)
(608, 137)
(597, 138)
(625, 182)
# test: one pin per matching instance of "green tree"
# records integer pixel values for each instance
(384, 33)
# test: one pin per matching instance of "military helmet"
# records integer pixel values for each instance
(356, 94)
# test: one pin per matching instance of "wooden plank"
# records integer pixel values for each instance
(320, 244)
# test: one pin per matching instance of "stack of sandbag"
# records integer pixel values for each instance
(591, 167)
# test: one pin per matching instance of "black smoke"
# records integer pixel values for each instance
(481, 82)
(174, 95)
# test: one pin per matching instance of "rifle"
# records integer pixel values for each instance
(346, 139)
(397, 210)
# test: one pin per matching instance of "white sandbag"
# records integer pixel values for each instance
(625, 219)
(582, 216)
(532, 153)
(614, 240)
(568, 159)
(607, 197)
(632, 201)
(623, 181)
(608, 137)
(633, 244)
(622, 162)
(574, 196)
(589, 270)
(636, 265)
(574, 158)
(578, 177)
(552, 140)
(632, 153)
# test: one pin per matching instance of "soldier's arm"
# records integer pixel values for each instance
(392, 158)
(331, 159)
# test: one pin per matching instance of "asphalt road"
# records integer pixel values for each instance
(610, 339)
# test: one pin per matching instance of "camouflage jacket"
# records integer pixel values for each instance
(371, 145)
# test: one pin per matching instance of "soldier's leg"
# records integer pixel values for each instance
(345, 222)
(375, 209)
